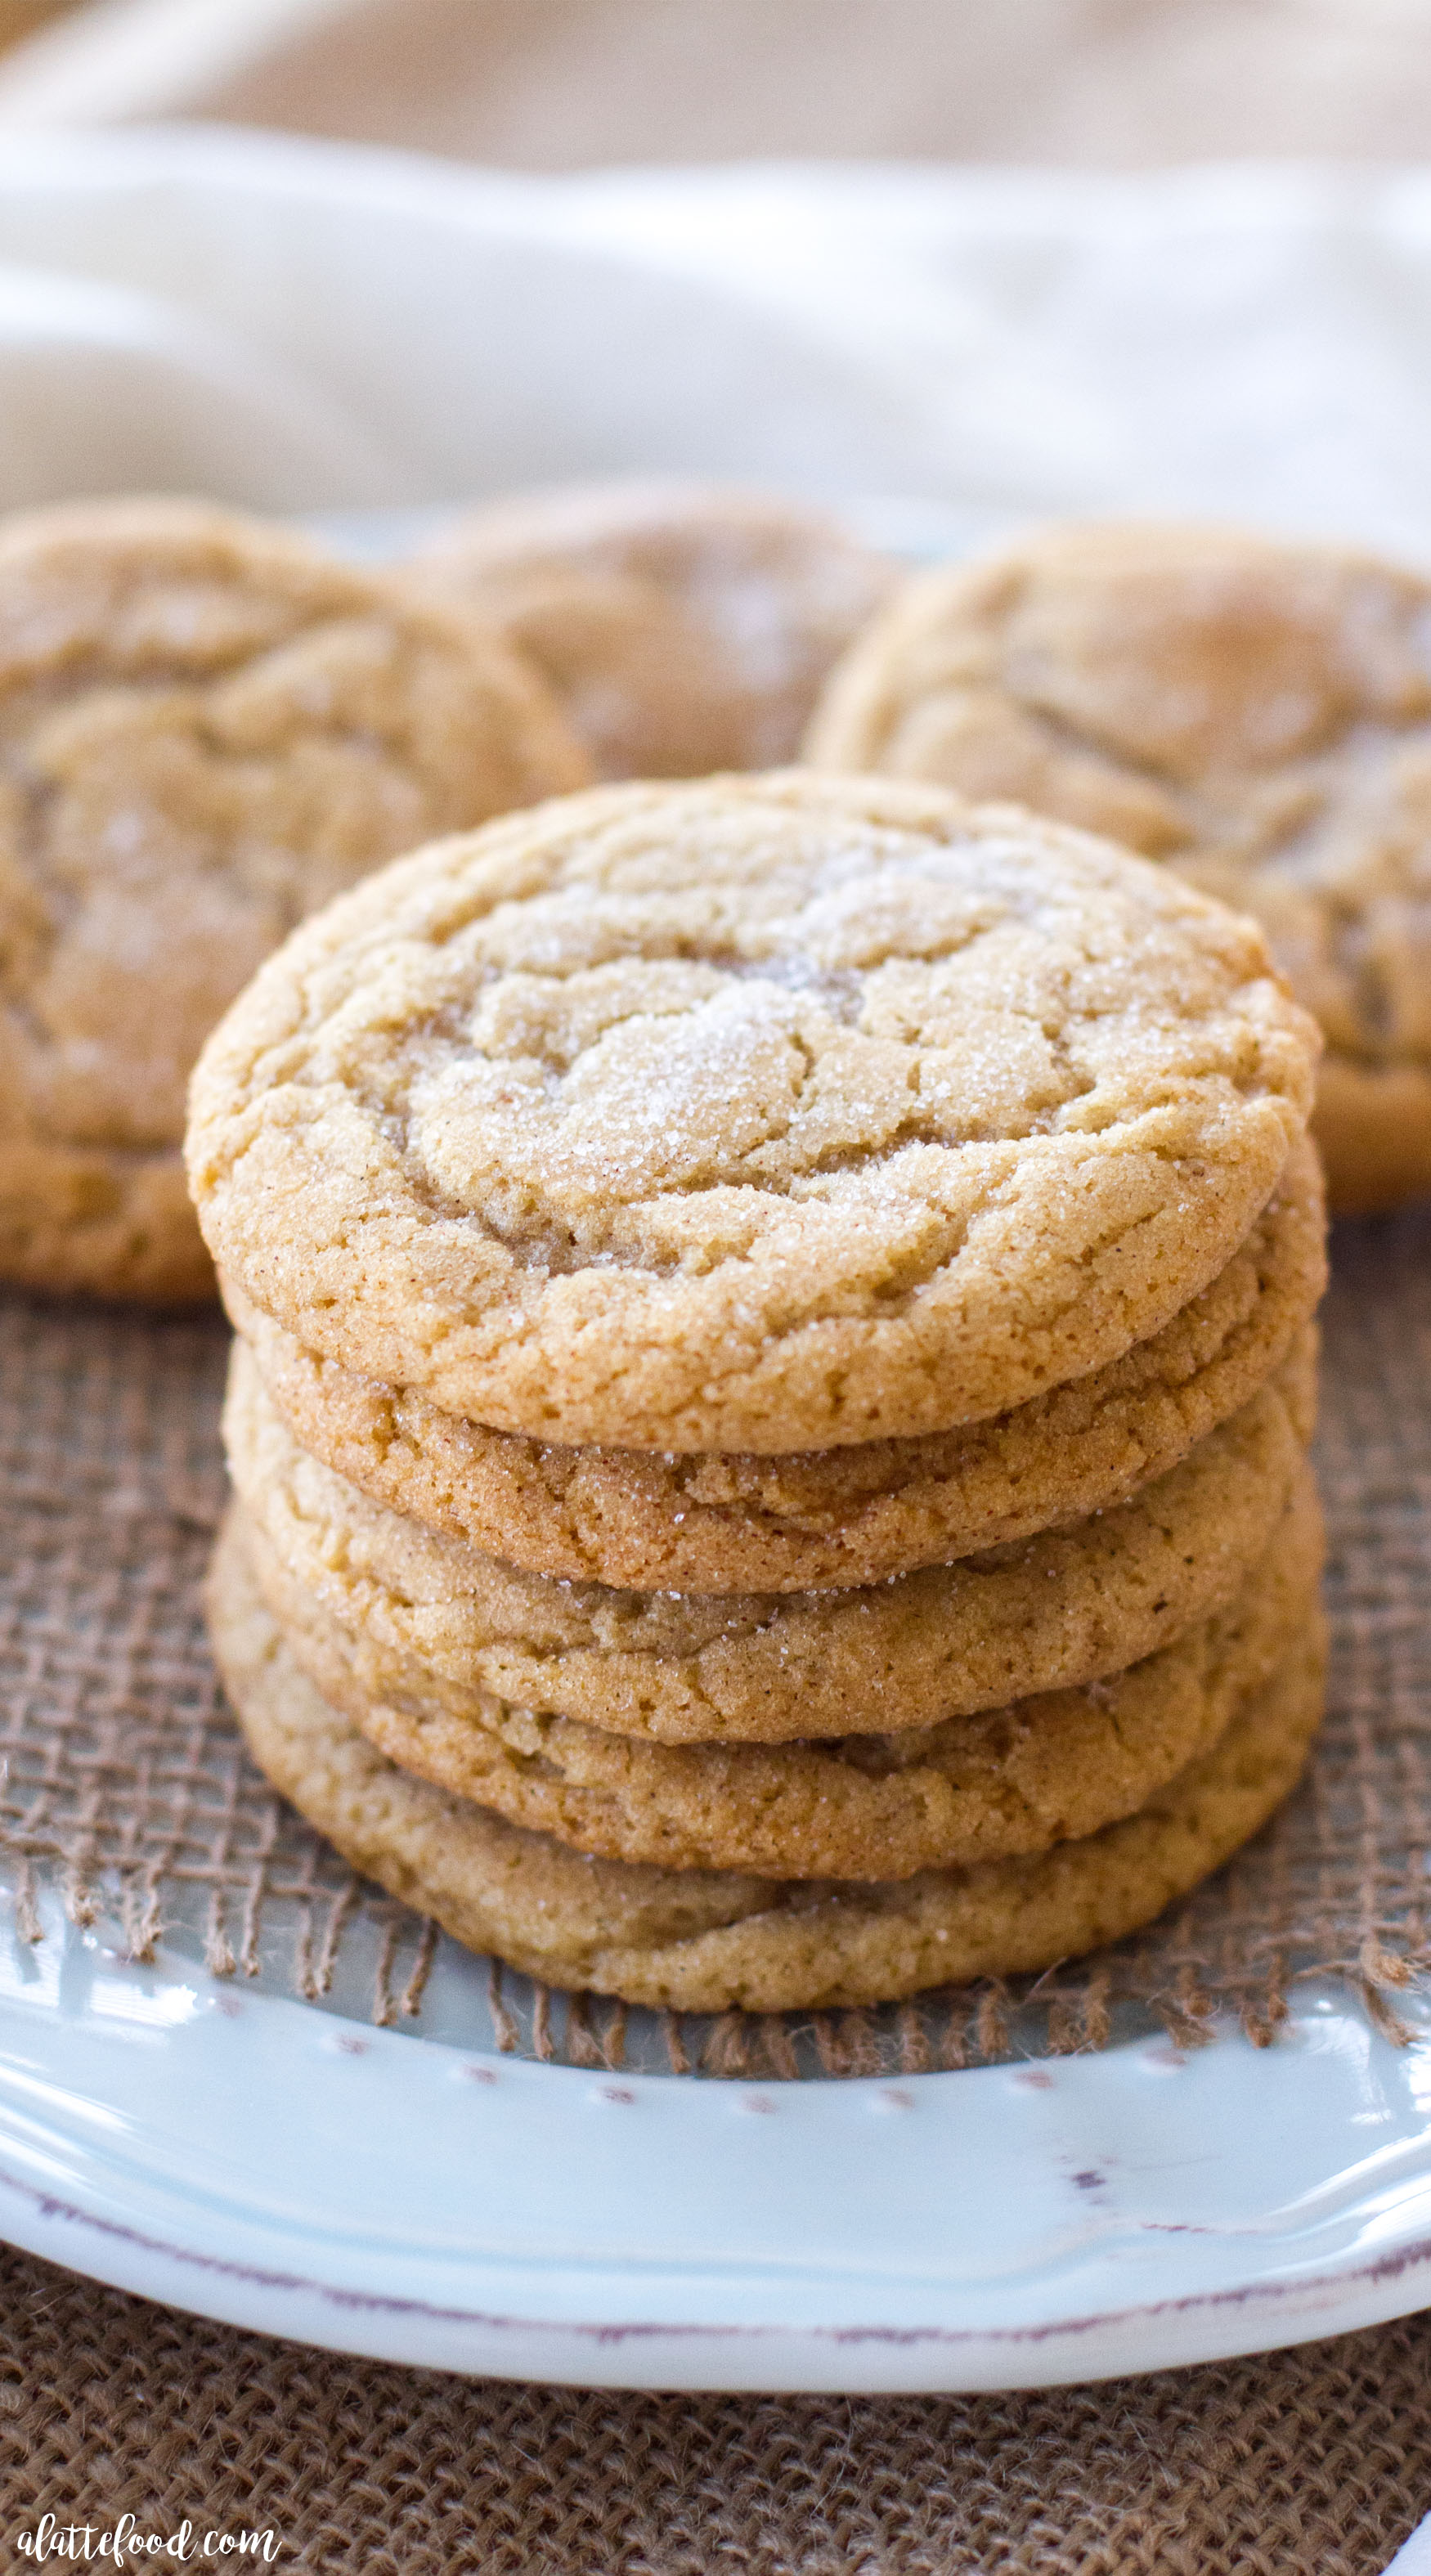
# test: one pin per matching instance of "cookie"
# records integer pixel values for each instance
(1256, 711)
(827, 1519)
(703, 1941)
(767, 1667)
(1373, 1125)
(97, 1221)
(761, 1114)
(683, 627)
(1015, 1779)
(206, 728)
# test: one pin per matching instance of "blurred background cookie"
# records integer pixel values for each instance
(685, 627)
(1255, 711)
(208, 727)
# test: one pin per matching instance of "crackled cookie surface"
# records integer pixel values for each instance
(1257, 712)
(703, 1940)
(757, 1114)
(831, 1518)
(207, 727)
(1066, 1606)
(684, 627)
(1018, 1778)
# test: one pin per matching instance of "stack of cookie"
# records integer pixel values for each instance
(774, 1374)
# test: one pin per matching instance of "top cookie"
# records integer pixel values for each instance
(685, 627)
(207, 727)
(1256, 711)
(763, 1114)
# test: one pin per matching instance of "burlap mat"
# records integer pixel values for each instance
(130, 1801)
(1307, 2463)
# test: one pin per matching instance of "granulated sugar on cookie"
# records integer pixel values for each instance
(760, 1114)
(1020, 1777)
(1254, 711)
(820, 1519)
(207, 727)
(1068, 1606)
(684, 627)
(704, 1940)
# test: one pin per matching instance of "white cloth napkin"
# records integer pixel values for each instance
(303, 325)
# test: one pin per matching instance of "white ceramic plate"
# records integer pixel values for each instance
(418, 2198)
(287, 2168)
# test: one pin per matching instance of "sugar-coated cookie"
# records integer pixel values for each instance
(1015, 1779)
(826, 1519)
(208, 727)
(1256, 711)
(702, 1941)
(759, 1114)
(684, 627)
(1065, 1607)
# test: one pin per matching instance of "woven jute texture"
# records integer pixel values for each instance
(130, 1802)
(1305, 2463)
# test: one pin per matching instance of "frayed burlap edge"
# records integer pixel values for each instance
(130, 1804)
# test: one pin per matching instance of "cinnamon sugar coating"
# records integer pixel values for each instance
(1255, 711)
(759, 1114)
(207, 727)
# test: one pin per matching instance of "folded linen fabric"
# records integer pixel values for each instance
(304, 325)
